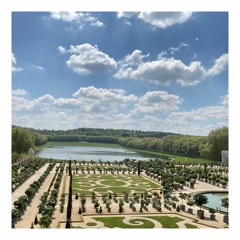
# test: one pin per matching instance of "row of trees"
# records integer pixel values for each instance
(102, 132)
(208, 147)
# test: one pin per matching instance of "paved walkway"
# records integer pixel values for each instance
(21, 190)
(32, 209)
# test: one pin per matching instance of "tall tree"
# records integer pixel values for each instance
(217, 141)
(22, 140)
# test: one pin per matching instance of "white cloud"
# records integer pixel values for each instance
(202, 114)
(61, 49)
(66, 16)
(81, 20)
(156, 102)
(38, 67)
(86, 59)
(114, 108)
(100, 99)
(219, 65)
(164, 19)
(19, 92)
(225, 100)
(178, 48)
(165, 71)
(126, 14)
(161, 55)
(14, 62)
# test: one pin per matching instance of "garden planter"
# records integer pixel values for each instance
(225, 219)
(190, 210)
(200, 213)
(212, 217)
(182, 207)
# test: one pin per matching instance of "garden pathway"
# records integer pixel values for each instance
(21, 190)
(32, 209)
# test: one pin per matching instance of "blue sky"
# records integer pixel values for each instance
(158, 71)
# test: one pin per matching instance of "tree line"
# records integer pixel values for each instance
(207, 147)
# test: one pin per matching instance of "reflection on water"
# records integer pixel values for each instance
(214, 200)
(89, 153)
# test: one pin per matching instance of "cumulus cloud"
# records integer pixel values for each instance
(86, 59)
(19, 92)
(101, 99)
(219, 65)
(157, 101)
(202, 114)
(165, 71)
(14, 62)
(126, 14)
(164, 19)
(157, 19)
(80, 19)
(114, 108)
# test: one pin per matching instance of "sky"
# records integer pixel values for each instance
(149, 71)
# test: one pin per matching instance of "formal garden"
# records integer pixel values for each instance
(128, 194)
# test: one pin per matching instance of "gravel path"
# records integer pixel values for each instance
(21, 190)
(32, 209)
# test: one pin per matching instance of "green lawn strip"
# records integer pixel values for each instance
(91, 224)
(176, 158)
(112, 222)
(190, 225)
(118, 190)
(113, 183)
(166, 221)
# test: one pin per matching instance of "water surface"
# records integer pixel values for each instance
(214, 200)
(89, 153)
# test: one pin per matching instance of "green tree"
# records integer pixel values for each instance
(22, 140)
(200, 200)
(225, 203)
(30, 192)
(15, 215)
(45, 221)
(217, 141)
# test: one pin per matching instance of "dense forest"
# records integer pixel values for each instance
(207, 147)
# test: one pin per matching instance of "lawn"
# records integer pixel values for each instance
(117, 222)
(85, 184)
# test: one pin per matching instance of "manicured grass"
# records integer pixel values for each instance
(91, 224)
(176, 158)
(113, 222)
(190, 225)
(111, 183)
(167, 222)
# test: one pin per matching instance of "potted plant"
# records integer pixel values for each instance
(183, 197)
(190, 203)
(200, 200)
(212, 211)
(225, 204)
